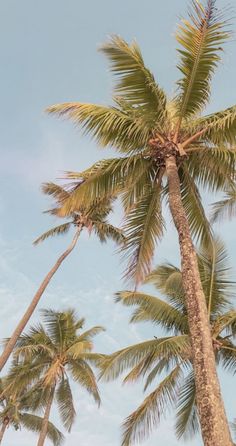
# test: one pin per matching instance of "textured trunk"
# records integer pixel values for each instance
(44, 429)
(20, 327)
(214, 425)
(3, 429)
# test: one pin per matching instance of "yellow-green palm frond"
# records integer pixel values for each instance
(135, 84)
(226, 356)
(106, 231)
(83, 374)
(110, 126)
(200, 38)
(140, 423)
(155, 310)
(187, 423)
(199, 225)
(57, 230)
(55, 191)
(144, 226)
(65, 403)
(34, 424)
(227, 322)
(225, 207)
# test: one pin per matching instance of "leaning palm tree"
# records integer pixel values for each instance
(14, 412)
(52, 355)
(172, 355)
(92, 218)
(169, 149)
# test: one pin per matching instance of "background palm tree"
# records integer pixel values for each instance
(171, 356)
(52, 355)
(93, 218)
(14, 412)
(168, 149)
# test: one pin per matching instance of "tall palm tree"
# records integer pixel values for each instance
(92, 218)
(172, 355)
(168, 149)
(14, 412)
(57, 353)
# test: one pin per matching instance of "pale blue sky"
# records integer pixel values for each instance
(48, 53)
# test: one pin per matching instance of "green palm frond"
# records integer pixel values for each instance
(227, 356)
(200, 38)
(110, 126)
(140, 423)
(226, 321)
(65, 404)
(187, 423)
(55, 191)
(143, 227)
(34, 423)
(83, 374)
(106, 231)
(156, 310)
(135, 84)
(57, 230)
(88, 335)
(226, 207)
(173, 348)
(199, 225)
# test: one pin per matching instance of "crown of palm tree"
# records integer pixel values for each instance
(15, 407)
(172, 355)
(145, 126)
(53, 354)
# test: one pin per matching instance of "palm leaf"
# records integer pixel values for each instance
(187, 423)
(140, 423)
(65, 404)
(200, 38)
(106, 231)
(57, 230)
(34, 423)
(83, 374)
(226, 207)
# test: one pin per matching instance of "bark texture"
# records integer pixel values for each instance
(3, 429)
(213, 421)
(44, 430)
(20, 327)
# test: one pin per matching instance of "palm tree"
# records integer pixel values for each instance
(168, 149)
(14, 412)
(52, 355)
(172, 355)
(93, 219)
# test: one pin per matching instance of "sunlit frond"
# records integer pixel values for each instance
(34, 423)
(106, 231)
(83, 374)
(65, 403)
(57, 230)
(218, 128)
(187, 423)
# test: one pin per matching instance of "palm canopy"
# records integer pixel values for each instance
(145, 126)
(17, 410)
(52, 355)
(170, 358)
(92, 217)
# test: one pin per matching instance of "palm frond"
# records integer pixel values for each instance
(57, 230)
(34, 423)
(187, 423)
(65, 404)
(83, 374)
(225, 208)
(200, 38)
(106, 231)
(135, 84)
(140, 423)
(144, 226)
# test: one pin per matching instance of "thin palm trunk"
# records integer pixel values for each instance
(214, 425)
(20, 327)
(3, 429)
(44, 429)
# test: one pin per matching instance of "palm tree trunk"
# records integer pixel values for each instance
(214, 425)
(20, 327)
(3, 428)
(44, 428)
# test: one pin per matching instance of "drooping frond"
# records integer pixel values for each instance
(156, 310)
(135, 84)
(227, 322)
(187, 423)
(34, 423)
(200, 38)
(57, 230)
(140, 423)
(65, 404)
(173, 348)
(55, 191)
(106, 231)
(83, 374)
(198, 222)
(227, 356)
(225, 208)
(110, 126)
(143, 227)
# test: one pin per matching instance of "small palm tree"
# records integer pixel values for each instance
(172, 355)
(92, 218)
(52, 355)
(14, 412)
(168, 149)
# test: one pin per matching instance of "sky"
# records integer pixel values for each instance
(48, 52)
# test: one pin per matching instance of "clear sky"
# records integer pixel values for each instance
(48, 54)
